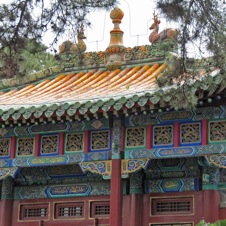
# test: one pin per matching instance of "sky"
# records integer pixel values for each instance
(137, 19)
(135, 24)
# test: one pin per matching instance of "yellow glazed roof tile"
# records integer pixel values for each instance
(91, 85)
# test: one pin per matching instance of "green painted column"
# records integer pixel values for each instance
(136, 180)
(117, 136)
(6, 210)
(210, 178)
(136, 195)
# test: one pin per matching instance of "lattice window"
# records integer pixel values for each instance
(34, 212)
(190, 133)
(49, 144)
(217, 131)
(100, 140)
(25, 146)
(74, 142)
(135, 137)
(163, 135)
(174, 206)
(4, 146)
(100, 209)
(73, 210)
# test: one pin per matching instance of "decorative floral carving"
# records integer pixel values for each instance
(49, 144)
(100, 140)
(25, 146)
(217, 131)
(3, 132)
(135, 137)
(190, 133)
(96, 124)
(74, 142)
(163, 135)
(4, 146)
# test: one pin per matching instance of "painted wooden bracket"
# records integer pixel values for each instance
(218, 160)
(8, 172)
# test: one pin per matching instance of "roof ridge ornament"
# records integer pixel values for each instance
(68, 47)
(115, 50)
(155, 36)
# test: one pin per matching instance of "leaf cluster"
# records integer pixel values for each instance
(24, 20)
(201, 24)
(28, 60)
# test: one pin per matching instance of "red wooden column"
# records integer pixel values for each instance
(136, 209)
(116, 181)
(86, 142)
(204, 132)
(116, 194)
(61, 151)
(149, 137)
(37, 145)
(176, 134)
(211, 205)
(6, 211)
(13, 148)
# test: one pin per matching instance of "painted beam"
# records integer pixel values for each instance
(172, 152)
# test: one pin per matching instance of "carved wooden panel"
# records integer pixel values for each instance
(74, 142)
(217, 131)
(190, 133)
(135, 137)
(49, 144)
(25, 146)
(5, 146)
(162, 135)
(100, 140)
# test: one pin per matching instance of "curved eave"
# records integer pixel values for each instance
(98, 91)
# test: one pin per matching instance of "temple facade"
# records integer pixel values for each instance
(97, 141)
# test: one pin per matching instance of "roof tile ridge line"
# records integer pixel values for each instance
(54, 71)
(14, 82)
(9, 84)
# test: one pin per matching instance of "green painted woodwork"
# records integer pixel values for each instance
(77, 126)
(220, 136)
(7, 188)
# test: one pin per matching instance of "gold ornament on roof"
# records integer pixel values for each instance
(168, 33)
(115, 50)
(70, 47)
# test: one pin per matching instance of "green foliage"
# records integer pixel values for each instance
(217, 223)
(24, 20)
(200, 24)
(30, 59)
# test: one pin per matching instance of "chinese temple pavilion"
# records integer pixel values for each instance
(98, 140)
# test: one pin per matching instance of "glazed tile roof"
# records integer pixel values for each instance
(83, 86)
(73, 90)
(91, 91)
